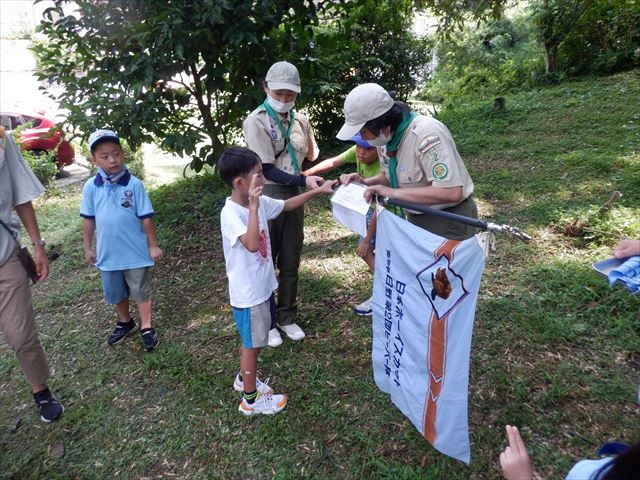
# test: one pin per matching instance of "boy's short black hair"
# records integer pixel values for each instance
(115, 141)
(236, 162)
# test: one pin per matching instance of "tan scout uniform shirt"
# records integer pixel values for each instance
(426, 156)
(264, 137)
(18, 185)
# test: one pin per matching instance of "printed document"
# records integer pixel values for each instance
(350, 208)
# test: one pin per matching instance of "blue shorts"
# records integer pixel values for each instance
(119, 285)
(254, 323)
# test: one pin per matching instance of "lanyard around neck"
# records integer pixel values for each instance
(285, 134)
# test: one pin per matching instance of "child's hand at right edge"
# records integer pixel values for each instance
(627, 248)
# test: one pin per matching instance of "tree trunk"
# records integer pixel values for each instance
(550, 57)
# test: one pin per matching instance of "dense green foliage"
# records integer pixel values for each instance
(172, 72)
(184, 74)
(539, 42)
(554, 19)
(42, 164)
(368, 42)
(491, 59)
(605, 39)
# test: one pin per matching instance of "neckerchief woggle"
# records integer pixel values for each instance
(274, 116)
(109, 180)
(392, 148)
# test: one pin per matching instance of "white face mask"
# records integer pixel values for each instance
(279, 106)
(381, 140)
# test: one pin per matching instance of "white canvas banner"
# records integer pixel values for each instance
(425, 292)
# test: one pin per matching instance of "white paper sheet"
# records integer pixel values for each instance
(350, 208)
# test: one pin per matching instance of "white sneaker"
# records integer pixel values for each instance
(265, 404)
(262, 387)
(365, 308)
(293, 331)
(275, 340)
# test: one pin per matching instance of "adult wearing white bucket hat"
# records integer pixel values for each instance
(283, 139)
(419, 162)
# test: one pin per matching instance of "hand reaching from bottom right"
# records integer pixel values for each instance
(514, 460)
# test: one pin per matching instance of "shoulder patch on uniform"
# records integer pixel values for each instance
(428, 143)
(440, 171)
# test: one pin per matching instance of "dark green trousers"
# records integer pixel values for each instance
(287, 237)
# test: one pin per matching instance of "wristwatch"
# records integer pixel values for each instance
(39, 243)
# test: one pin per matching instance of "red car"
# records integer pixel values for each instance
(41, 135)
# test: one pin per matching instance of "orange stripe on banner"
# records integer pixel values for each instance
(436, 352)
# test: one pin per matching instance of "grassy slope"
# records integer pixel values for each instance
(555, 351)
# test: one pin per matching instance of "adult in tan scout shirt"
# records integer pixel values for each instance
(18, 187)
(283, 139)
(419, 161)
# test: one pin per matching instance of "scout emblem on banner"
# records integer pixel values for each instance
(424, 301)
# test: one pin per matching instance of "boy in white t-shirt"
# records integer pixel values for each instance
(249, 266)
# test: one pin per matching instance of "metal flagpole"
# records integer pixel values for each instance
(514, 232)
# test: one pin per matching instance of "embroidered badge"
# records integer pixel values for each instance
(127, 201)
(440, 171)
(274, 134)
(428, 143)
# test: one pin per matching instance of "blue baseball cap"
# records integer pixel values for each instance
(361, 142)
(102, 134)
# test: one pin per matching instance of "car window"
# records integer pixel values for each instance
(5, 122)
(35, 122)
(9, 121)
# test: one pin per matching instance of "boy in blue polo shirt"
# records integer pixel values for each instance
(116, 205)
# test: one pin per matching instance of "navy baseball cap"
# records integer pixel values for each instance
(361, 142)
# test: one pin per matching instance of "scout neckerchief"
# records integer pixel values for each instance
(392, 150)
(109, 180)
(274, 116)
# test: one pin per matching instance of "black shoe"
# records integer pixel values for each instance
(149, 339)
(121, 331)
(50, 408)
(62, 174)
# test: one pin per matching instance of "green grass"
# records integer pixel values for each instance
(555, 350)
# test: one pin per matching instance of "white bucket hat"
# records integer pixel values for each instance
(364, 103)
(283, 76)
